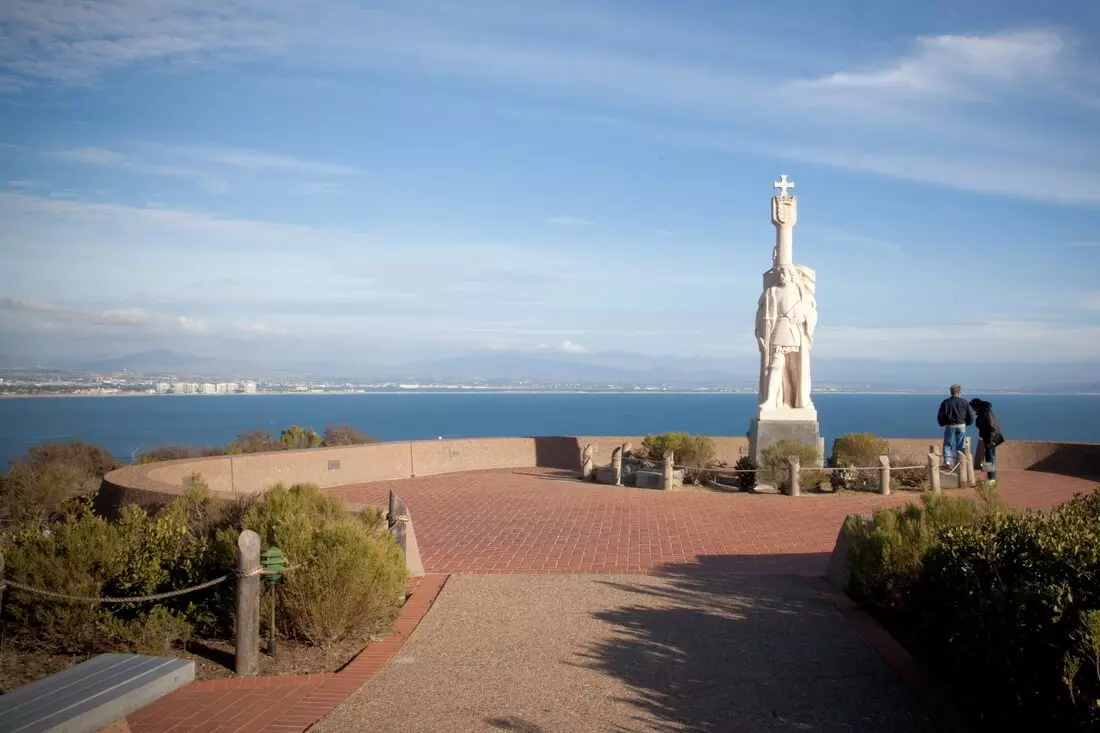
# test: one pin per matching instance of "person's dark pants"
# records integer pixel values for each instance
(991, 459)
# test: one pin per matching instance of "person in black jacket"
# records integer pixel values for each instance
(989, 430)
(954, 416)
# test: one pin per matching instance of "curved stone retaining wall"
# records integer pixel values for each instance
(228, 476)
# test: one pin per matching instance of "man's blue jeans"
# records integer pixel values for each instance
(953, 445)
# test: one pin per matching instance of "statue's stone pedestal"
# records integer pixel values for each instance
(764, 433)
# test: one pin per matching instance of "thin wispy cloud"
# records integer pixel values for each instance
(106, 158)
(955, 66)
(52, 317)
(207, 166)
(569, 221)
(258, 161)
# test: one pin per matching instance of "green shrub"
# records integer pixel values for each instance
(746, 480)
(887, 556)
(775, 468)
(39, 486)
(86, 458)
(175, 452)
(82, 554)
(295, 438)
(860, 449)
(696, 453)
(76, 556)
(255, 441)
(908, 478)
(345, 435)
(1032, 587)
(354, 571)
(1003, 605)
(855, 451)
(31, 497)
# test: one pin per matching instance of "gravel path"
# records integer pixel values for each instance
(541, 654)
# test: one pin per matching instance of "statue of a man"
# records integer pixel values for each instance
(786, 318)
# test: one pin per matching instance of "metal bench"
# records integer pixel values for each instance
(92, 694)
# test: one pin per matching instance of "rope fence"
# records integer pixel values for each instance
(142, 599)
(828, 469)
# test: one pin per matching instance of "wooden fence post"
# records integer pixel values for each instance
(795, 466)
(248, 603)
(588, 463)
(669, 471)
(884, 475)
(934, 472)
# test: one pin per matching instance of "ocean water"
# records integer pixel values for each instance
(128, 425)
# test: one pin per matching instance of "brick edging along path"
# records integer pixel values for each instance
(283, 703)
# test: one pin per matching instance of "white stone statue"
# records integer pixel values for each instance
(786, 318)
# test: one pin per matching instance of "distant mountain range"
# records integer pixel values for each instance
(605, 368)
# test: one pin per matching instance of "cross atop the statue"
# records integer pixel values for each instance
(783, 184)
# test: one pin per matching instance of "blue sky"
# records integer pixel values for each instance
(387, 181)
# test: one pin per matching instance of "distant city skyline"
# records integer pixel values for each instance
(372, 185)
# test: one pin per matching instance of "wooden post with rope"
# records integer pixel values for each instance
(247, 660)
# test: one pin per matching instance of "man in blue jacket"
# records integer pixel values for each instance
(954, 416)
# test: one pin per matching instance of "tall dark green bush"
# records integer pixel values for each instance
(1031, 584)
(747, 479)
(1004, 606)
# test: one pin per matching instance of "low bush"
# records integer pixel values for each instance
(297, 438)
(888, 554)
(855, 451)
(255, 441)
(1027, 634)
(31, 497)
(746, 480)
(1004, 605)
(696, 453)
(86, 458)
(775, 468)
(175, 452)
(354, 574)
(82, 554)
(39, 487)
(344, 435)
(908, 478)
(860, 449)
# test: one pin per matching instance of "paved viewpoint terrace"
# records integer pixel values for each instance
(543, 521)
(573, 606)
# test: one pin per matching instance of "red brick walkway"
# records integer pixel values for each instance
(286, 704)
(532, 521)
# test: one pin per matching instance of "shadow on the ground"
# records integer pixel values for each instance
(514, 723)
(712, 651)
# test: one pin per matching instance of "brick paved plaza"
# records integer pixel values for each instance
(540, 521)
(533, 521)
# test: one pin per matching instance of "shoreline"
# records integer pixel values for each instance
(521, 391)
